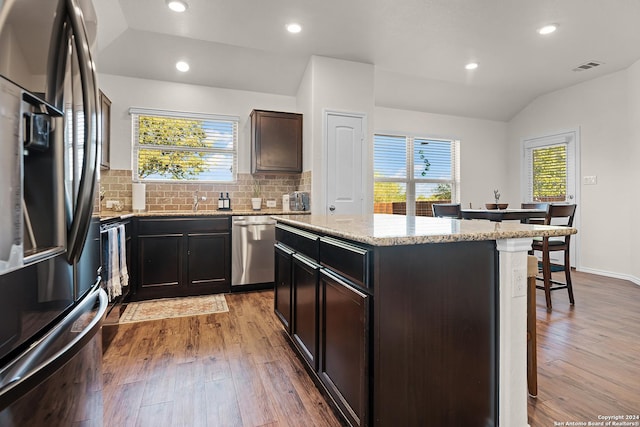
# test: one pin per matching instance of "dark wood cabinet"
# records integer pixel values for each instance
(344, 345)
(105, 131)
(183, 256)
(283, 291)
(276, 142)
(435, 341)
(304, 330)
(403, 335)
(209, 262)
(327, 280)
(160, 263)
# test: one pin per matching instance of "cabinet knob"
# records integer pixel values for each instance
(332, 208)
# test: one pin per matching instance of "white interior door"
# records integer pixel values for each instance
(550, 174)
(345, 139)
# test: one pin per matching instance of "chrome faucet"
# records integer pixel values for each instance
(197, 200)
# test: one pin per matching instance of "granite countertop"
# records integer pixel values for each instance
(108, 215)
(390, 230)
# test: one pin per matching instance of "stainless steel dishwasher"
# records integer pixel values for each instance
(252, 241)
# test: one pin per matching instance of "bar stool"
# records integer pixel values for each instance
(532, 345)
(563, 214)
(534, 205)
(449, 210)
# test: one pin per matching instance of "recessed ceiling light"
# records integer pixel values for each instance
(547, 29)
(182, 66)
(294, 28)
(177, 5)
(471, 66)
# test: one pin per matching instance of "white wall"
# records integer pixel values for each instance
(599, 108)
(634, 159)
(304, 99)
(333, 84)
(483, 156)
(126, 92)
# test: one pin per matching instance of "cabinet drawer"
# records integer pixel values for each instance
(182, 225)
(349, 260)
(299, 240)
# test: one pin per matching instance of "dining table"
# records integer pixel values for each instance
(498, 215)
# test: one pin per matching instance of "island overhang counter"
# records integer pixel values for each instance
(442, 308)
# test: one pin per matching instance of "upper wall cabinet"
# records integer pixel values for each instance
(276, 142)
(105, 125)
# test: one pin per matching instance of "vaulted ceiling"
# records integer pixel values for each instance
(419, 47)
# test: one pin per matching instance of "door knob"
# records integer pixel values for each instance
(332, 208)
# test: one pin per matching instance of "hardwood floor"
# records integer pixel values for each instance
(588, 354)
(224, 369)
(237, 369)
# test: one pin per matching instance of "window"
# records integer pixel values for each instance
(549, 173)
(549, 168)
(175, 146)
(411, 173)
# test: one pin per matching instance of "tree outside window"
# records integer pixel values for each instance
(178, 147)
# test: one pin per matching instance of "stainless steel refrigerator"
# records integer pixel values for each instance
(51, 301)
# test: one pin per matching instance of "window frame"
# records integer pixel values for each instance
(410, 180)
(136, 112)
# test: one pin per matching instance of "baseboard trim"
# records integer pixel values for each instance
(629, 277)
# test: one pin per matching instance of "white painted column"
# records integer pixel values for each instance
(512, 382)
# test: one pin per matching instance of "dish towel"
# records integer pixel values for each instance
(122, 255)
(114, 287)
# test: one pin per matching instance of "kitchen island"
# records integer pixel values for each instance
(410, 320)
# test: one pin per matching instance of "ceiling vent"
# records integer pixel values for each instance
(587, 66)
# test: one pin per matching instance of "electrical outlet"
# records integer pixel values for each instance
(519, 278)
(590, 180)
(271, 203)
(110, 204)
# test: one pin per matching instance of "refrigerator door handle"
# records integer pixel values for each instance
(69, 15)
(29, 370)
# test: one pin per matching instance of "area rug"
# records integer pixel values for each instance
(174, 307)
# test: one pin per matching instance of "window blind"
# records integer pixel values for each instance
(170, 146)
(549, 173)
(408, 169)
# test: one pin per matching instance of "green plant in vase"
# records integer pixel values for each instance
(256, 200)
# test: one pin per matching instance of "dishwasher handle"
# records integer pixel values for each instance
(247, 223)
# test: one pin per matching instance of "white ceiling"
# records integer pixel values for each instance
(419, 47)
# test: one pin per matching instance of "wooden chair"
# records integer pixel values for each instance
(535, 205)
(449, 210)
(563, 215)
(532, 343)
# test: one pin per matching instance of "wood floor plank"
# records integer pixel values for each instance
(190, 400)
(222, 404)
(252, 397)
(158, 415)
(122, 404)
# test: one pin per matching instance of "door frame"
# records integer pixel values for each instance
(367, 204)
(575, 239)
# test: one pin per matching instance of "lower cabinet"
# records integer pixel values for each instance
(304, 329)
(344, 344)
(322, 300)
(282, 289)
(160, 263)
(182, 256)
